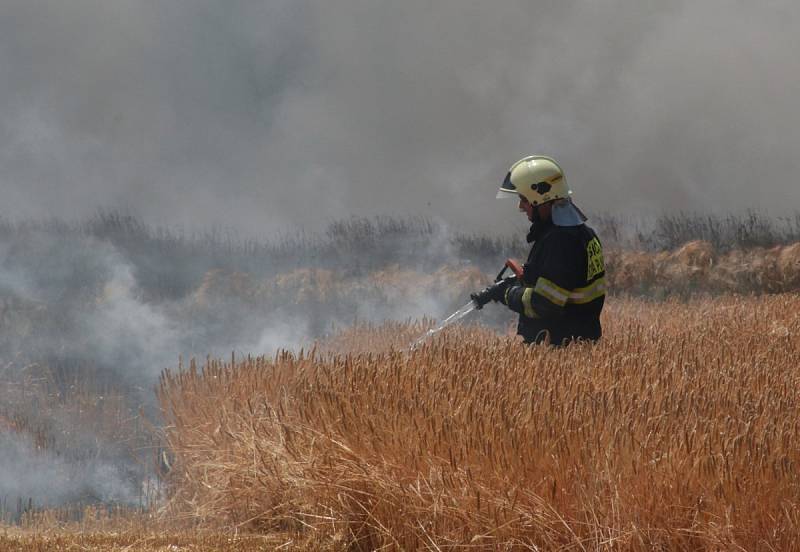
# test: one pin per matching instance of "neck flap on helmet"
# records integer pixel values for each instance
(566, 213)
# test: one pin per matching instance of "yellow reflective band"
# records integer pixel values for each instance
(527, 295)
(551, 291)
(587, 294)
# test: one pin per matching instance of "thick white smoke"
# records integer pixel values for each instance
(255, 115)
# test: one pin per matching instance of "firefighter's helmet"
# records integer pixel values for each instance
(537, 178)
(540, 180)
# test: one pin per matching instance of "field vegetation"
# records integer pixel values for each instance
(675, 432)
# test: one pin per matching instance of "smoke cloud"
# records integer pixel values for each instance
(92, 314)
(256, 115)
(52, 479)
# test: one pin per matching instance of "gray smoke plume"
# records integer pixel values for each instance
(52, 480)
(257, 114)
(91, 314)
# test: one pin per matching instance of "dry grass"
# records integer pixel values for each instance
(694, 268)
(697, 266)
(140, 541)
(677, 432)
(392, 284)
(130, 530)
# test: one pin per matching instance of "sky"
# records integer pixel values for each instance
(259, 116)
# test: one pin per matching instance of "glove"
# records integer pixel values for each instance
(495, 292)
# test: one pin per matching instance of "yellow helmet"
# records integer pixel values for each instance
(537, 178)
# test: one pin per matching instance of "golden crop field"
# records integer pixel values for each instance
(678, 431)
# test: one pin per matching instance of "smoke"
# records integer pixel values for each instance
(258, 115)
(76, 296)
(53, 479)
(93, 313)
(138, 337)
(81, 351)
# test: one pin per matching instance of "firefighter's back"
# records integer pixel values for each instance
(566, 267)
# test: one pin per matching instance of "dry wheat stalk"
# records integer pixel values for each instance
(679, 430)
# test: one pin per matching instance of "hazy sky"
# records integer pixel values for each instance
(260, 114)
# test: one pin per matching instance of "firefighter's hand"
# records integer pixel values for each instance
(494, 292)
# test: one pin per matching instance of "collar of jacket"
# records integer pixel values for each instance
(538, 230)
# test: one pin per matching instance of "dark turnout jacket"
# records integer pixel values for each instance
(563, 286)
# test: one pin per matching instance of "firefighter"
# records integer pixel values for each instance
(561, 293)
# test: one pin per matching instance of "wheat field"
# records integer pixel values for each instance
(677, 432)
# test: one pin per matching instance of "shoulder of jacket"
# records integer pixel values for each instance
(562, 236)
(589, 230)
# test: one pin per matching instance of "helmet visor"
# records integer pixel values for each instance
(507, 188)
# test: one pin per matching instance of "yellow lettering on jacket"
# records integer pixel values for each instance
(594, 252)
